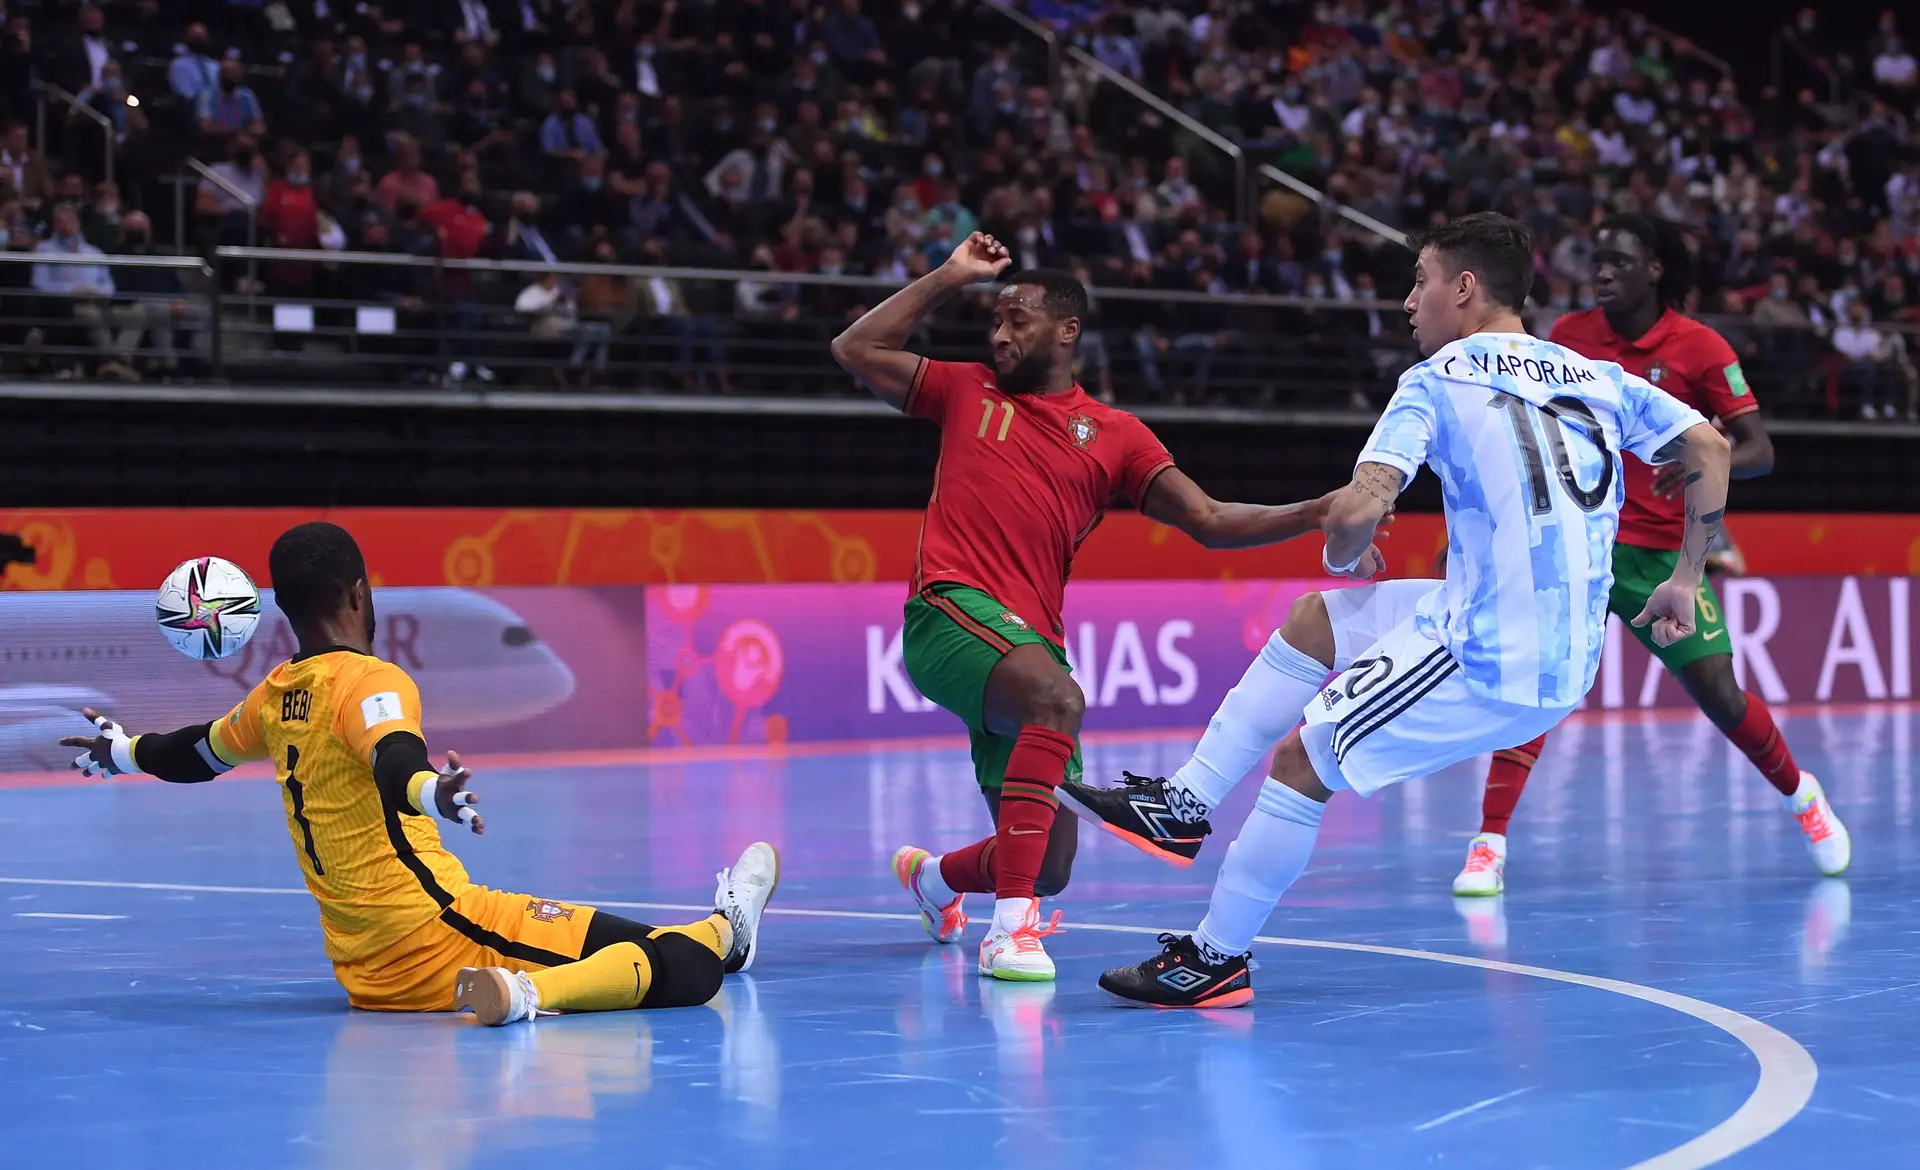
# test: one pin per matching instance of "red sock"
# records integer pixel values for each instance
(1028, 802)
(970, 870)
(1506, 780)
(1756, 735)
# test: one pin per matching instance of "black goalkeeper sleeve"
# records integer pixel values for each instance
(185, 756)
(397, 759)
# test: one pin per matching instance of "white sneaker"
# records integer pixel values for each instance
(1827, 839)
(946, 924)
(1486, 869)
(495, 995)
(1016, 954)
(742, 897)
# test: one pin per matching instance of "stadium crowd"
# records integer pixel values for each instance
(850, 136)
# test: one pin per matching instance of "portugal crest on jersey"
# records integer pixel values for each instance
(543, 911)
(1082, 430)
(1656, 372)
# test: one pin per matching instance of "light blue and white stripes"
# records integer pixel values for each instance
(1526, 438)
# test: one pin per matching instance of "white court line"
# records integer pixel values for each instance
(1476, 1107)
(57, 914)
(1787, 1071)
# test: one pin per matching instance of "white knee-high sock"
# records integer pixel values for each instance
(1267, 858)
(1256, 714)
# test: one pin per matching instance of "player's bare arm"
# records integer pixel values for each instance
(1752, 454)
(1354, 515)
(1178, 502)
(189, 756)
(1704, 456)
(871, 349)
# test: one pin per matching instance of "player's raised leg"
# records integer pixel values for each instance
(1484, 875)
(1167, 817)
(622, 964)
(1401, 710)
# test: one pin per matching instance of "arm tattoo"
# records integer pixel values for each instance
(1379, 482)
(1671, 450)
(1694, 477)
(1712, 519)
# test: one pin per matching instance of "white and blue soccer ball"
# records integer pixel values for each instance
(208, 608)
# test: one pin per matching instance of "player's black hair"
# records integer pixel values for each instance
(1496, 248)
(1663, 242)
(1064, 296)
(313, 567)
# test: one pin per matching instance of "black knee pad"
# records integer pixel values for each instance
(685, 974)
(1050, 883)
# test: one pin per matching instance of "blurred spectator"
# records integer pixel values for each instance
(1873, 374)
(1895, 68)
(607, 306)
(568, 136)
(523, 239)
(89, 142)
(548, 303)
(24, 169)
(587, 208)
(73, 291)
(76, 59)
(290, 218)
(222, 206)
(193, 71)
(853, 41)
(406, 181)
(153, 302)
(228, 107)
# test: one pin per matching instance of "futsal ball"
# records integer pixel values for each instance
(208, 608)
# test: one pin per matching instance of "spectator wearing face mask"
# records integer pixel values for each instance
(290, 218)
(539, 89)
(229, 108)
(419, 117)
(153, 302)
(406, 180)
(72, 291)
(221, 207)
(193, 70)
(1875, 375)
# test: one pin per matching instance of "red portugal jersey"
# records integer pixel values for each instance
(1689, 361)
(1023, 479)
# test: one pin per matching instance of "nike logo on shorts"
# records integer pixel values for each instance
(1712, 636)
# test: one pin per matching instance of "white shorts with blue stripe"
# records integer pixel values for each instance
(1399, 707)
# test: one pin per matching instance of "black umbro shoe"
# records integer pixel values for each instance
(1180, 977)
(1137, 812)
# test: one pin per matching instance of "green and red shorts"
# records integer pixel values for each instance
(955, 636)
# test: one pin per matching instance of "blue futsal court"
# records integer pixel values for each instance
(1666, 983)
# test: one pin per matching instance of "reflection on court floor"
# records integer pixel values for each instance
(168, 1003)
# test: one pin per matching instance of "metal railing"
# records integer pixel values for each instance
(388, 322)
(230, 190)
(1046, 36)
(50, 92)
(1233, 152)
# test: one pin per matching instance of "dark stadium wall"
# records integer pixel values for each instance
(836, 455)
(1742, 33)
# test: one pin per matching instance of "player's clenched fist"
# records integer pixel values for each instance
(979, 257)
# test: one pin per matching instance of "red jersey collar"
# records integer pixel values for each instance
(1653, 338)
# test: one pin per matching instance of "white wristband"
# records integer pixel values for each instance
(1337, 570)
(121, 749)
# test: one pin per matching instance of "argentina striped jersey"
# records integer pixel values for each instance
(1525, 436)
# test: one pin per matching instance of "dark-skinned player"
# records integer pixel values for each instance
(1642, 272)
(406, 929)
(1028, 465)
